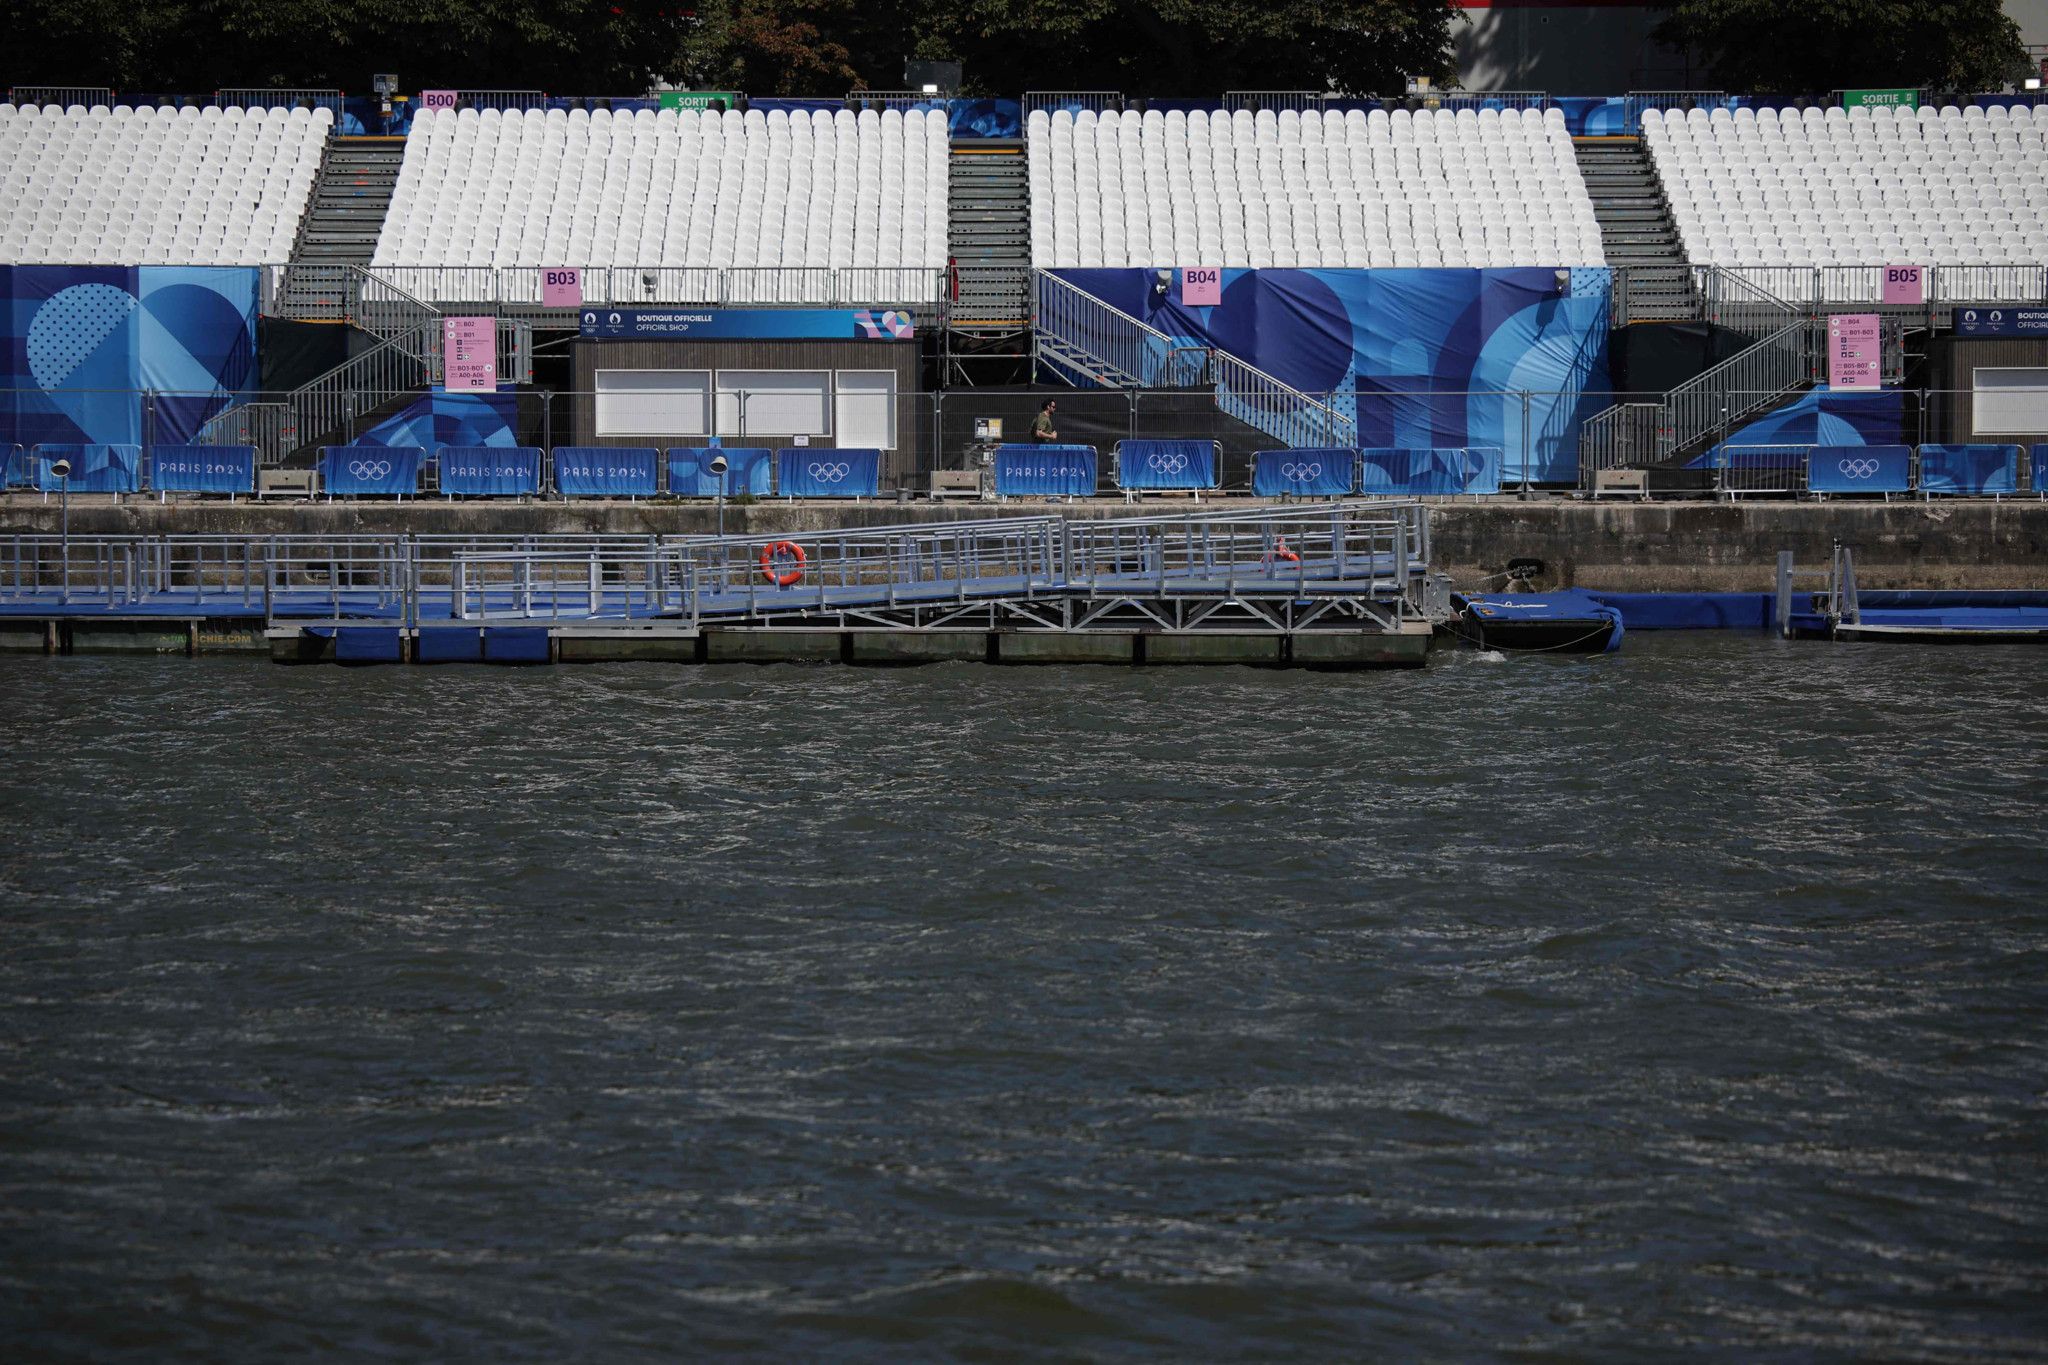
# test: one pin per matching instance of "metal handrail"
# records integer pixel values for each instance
(1050, 100)
(1276, 100)
(66, 95)
(257, 98)
(495, 287)
(1742, 384)
(1097, 338)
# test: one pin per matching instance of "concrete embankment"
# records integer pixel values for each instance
(1618, 546)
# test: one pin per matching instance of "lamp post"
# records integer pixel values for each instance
(719, 465)
(62, 469)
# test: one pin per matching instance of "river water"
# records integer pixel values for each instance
(1687, 1003)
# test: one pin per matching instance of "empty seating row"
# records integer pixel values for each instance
(484, 199)
(150, 186)
(1321, 189)
(1862, 187)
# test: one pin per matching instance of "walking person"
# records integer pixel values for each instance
(1042, 429)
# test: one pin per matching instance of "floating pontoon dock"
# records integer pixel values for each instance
(1334, 585)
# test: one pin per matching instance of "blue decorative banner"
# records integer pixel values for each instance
(1969, 469)
(1859, 469)
(370, 471)
(1438, 471)
(2001, 322)
(828, 472)
(490, 471)
(748, 469)
(606, 471)
(203, 469)
(1166, 464)
(94, 468)
(1324, 472)
(1045, 471)
(757, 324)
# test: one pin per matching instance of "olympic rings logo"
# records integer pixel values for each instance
(1166, 464)
(829, 473)
(370, 471)
(1301, 473)
(1859, 469)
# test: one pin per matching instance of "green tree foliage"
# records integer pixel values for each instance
(791, 47)
(192, 46)
(1819, 45)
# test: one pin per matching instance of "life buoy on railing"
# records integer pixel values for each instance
(1280, 551)
(783, 552)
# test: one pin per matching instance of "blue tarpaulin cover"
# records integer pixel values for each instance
(1432, 471)
(1317, 472)
(1859, 469)
(203, 469)
(1166, 464)
(828, 471)
(749, 469)
(606, 471)
(1444, 357)
(94, 468)
(490, 471)
(1045, 471)
(370, 471)
(1969, 469)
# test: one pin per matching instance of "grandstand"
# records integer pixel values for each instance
(148, 186)
(1339, 189)
(486, 199)
(1455, 272)
(1950, 187)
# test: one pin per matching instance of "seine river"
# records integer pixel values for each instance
(1689, 1003)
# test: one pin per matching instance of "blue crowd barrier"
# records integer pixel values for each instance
(828, 471)
(1045, 471)
(606, 471)
(370, 471)
(1859, 469)
(748, 469)
(1969, 469)
(1166, 466)
(1429, 471)
(13, 467)
(203, 469)
(94, 468)
(1313, 472)
(490, 471)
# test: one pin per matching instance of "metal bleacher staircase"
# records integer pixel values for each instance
(989, 234)
(406, 357)
(1090, 343)
(1637, 232)
(350, 200)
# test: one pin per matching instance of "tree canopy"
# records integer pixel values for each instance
(1818, 45)
(766, 47)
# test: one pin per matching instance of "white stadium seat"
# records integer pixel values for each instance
(1871, 187)
(147, 186)
(668, 200)
(1336, 189)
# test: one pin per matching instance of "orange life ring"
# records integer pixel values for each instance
(782, 549)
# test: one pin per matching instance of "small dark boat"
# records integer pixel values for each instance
(1569, 622)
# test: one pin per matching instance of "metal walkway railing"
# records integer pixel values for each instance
(1371, 550)
(1098, 343)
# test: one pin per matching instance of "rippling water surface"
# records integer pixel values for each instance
(1685, 1003)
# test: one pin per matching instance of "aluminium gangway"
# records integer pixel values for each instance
(1353, 569)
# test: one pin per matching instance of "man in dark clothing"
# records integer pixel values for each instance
(1042, 430)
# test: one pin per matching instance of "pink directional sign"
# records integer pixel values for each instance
(1201, 286)
(1853, 347)
(437, 99)
(561, 288)
(469, 355)
(1904, 284)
